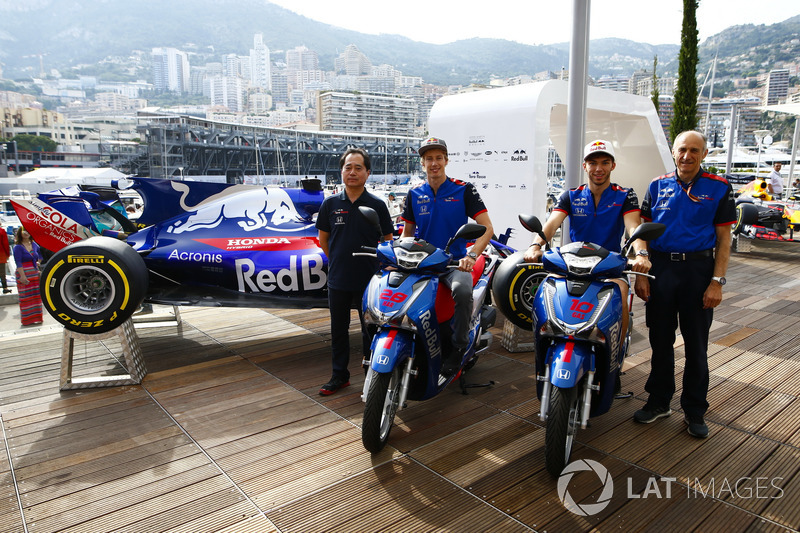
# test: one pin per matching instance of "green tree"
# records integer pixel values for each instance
(685, 104)
(34, 143)
(654, 95)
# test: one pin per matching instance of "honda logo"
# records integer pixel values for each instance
(383, 359)
(562, 374)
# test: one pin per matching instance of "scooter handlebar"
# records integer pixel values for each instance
(638, 274)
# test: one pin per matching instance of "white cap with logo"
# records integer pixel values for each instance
(598, 147)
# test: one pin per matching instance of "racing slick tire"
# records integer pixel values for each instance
(746, 214)
(93, 286)
(513, 288)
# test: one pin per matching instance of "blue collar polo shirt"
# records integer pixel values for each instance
(690, 211)
(603, 224)
(438, 216)
(349, 231)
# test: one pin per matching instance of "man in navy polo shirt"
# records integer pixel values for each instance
(689, 264)
(342, 231)
(598, 213)
(434, 211)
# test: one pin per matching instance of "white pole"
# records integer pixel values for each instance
(576, 97)
(795, 141)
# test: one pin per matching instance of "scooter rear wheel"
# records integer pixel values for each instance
(562, 425)
(383, 399)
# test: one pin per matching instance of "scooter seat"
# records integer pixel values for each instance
(444, 299)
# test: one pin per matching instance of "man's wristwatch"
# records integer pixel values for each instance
(720, 279)
(643, 253)
(472, 255)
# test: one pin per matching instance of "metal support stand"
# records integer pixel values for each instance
(742, 244)
(130, 348)
(514, 337)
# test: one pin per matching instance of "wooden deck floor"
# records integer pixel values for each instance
(227, 433)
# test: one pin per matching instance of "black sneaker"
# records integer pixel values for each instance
(333, 385)
(697, 426)
(649, 414)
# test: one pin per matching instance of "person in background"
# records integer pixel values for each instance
(343, 230)
(434, 211)
(689, 264)
(598, 213)
(776, 181)
(5, 253)
(395, 208)
(27, 258)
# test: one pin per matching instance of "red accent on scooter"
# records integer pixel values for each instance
(390, 339)
(568, 352)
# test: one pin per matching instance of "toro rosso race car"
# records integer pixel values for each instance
(195, 243)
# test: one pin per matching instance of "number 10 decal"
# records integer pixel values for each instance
(580, 309)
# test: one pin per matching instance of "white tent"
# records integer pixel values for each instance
(498, 139)
(48, 179)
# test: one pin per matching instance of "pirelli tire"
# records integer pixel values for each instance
(94, 285)
(746, 215)
(513, 288)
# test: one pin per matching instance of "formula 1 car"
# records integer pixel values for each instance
(195, 243)
(759, 216)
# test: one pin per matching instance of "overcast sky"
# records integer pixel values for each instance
(537, 21)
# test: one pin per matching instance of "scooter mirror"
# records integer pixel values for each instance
(372, 217)
(530, 223)
(468, 231)
(647, 231)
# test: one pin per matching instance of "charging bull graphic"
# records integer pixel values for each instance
(256, 209)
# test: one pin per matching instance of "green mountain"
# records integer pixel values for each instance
(78, 36)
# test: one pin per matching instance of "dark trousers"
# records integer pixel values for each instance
(676, 299)
(3, 273)
(340, 303)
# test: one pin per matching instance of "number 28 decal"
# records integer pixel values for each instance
(389, 298)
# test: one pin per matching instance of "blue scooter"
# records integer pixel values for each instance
(577, 319)
(409, 310)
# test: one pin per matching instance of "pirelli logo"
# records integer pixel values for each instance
(89, 259)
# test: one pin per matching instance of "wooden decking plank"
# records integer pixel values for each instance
(145, 420)
(738, 335)
(255, 524)
(58, 483)
(746, 398)
(99, 500)
(767, 409)
(194, 501)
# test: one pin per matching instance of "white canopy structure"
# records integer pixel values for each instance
(499, 139)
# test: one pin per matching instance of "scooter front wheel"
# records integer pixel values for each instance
(562, 424)
(383, 399)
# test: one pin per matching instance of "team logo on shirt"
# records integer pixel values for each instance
(423, 199)
(580, 202)
(666, 193)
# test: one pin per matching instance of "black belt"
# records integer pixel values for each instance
(683, 256)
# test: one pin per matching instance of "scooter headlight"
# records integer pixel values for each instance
(580, 265)
(406, 259)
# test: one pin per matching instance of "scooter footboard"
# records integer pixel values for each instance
(389, 348)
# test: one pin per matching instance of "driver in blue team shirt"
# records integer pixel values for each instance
(599, 212)
(434, 211)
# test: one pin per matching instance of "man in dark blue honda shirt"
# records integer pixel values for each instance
(342, 231)
(434, 211)
(689, 264)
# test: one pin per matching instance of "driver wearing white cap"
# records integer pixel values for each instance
(599, 212)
